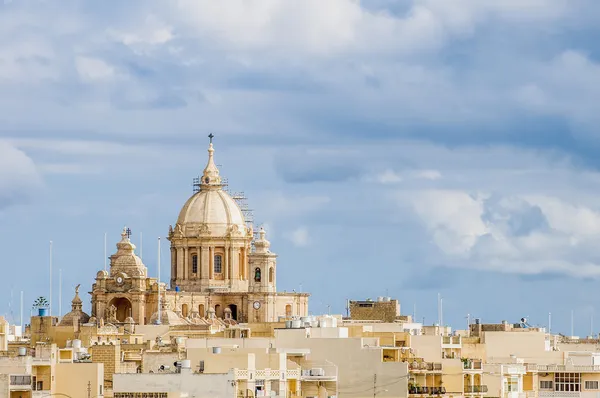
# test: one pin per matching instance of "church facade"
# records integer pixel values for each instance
(219, 269)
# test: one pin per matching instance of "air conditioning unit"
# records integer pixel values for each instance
(317, 372)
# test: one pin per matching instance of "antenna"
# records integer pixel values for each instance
(141, 246)
(59, 292)
(592, 324)
(441, 312)
(414, 312)
(105, 256)
(159, 309)
(21, 312)
(468, 324)
(549, 323)
(572, 329)
(347, 308)
(50, 298)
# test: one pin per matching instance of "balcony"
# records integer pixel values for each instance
(476, 389)
(20, 382)
(419, 367)
(470, 364)
(426, 390)
(451, 341)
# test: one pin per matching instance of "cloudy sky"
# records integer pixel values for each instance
(391, 147)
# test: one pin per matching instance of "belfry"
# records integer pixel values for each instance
(219, 268)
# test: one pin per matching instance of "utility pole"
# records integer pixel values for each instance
(374, 385)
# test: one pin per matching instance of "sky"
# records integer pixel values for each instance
(403, 148)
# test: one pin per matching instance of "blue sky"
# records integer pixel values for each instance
(398, 148)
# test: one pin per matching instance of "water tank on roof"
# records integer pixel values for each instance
(216, 350)
(477, 321)
(288, 324)
(296, 324)
(379, 299)
(76, 343)
(22, 351)
(186, 364)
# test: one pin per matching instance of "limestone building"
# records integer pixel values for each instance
(219, 268)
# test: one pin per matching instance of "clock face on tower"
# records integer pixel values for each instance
(119, 279)
(256, 305)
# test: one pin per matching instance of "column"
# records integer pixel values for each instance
(180, 275)
(204, 264)
(199, 254)
(186, 263)
(244, 265)
(211, 262)
(173, 265)
(226, 265)
(235, 266)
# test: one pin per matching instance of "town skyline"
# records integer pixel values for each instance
(398, 149)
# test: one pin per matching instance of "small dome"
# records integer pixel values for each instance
(76, 312)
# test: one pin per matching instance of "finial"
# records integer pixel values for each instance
(262, 233)
(211, 136)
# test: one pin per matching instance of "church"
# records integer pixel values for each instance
(220, 269)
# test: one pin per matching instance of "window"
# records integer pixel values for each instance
(257, 275)
(218, 266)
(271, 275)
(567, 382)
(591, 385)
(511, 384)
(545, 384)
(194, 264)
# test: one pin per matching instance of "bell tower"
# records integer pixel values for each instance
(263, 266)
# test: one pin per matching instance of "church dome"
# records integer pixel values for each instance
(214, 208)
(211, 211)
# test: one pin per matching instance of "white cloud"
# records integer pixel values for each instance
(152, 31)
(389, 177)
(525, 235)
(92, 69)
(299, 237)
(19, 178)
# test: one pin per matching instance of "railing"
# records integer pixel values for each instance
(429, 366)
(266, 374)
(451, 340)
(473, 365)
(562, 368)
(20, 380)
(559, 394)
(427, 390)
(476, 389)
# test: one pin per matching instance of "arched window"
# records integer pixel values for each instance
(257, 275)
(201, 310)
(271, 274)
(288, 310)
(194, 264)
(218, 265)
(184, 310)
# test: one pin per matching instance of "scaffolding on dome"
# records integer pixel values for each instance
(197, 183)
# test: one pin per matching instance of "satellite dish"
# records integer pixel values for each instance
(524, 320)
